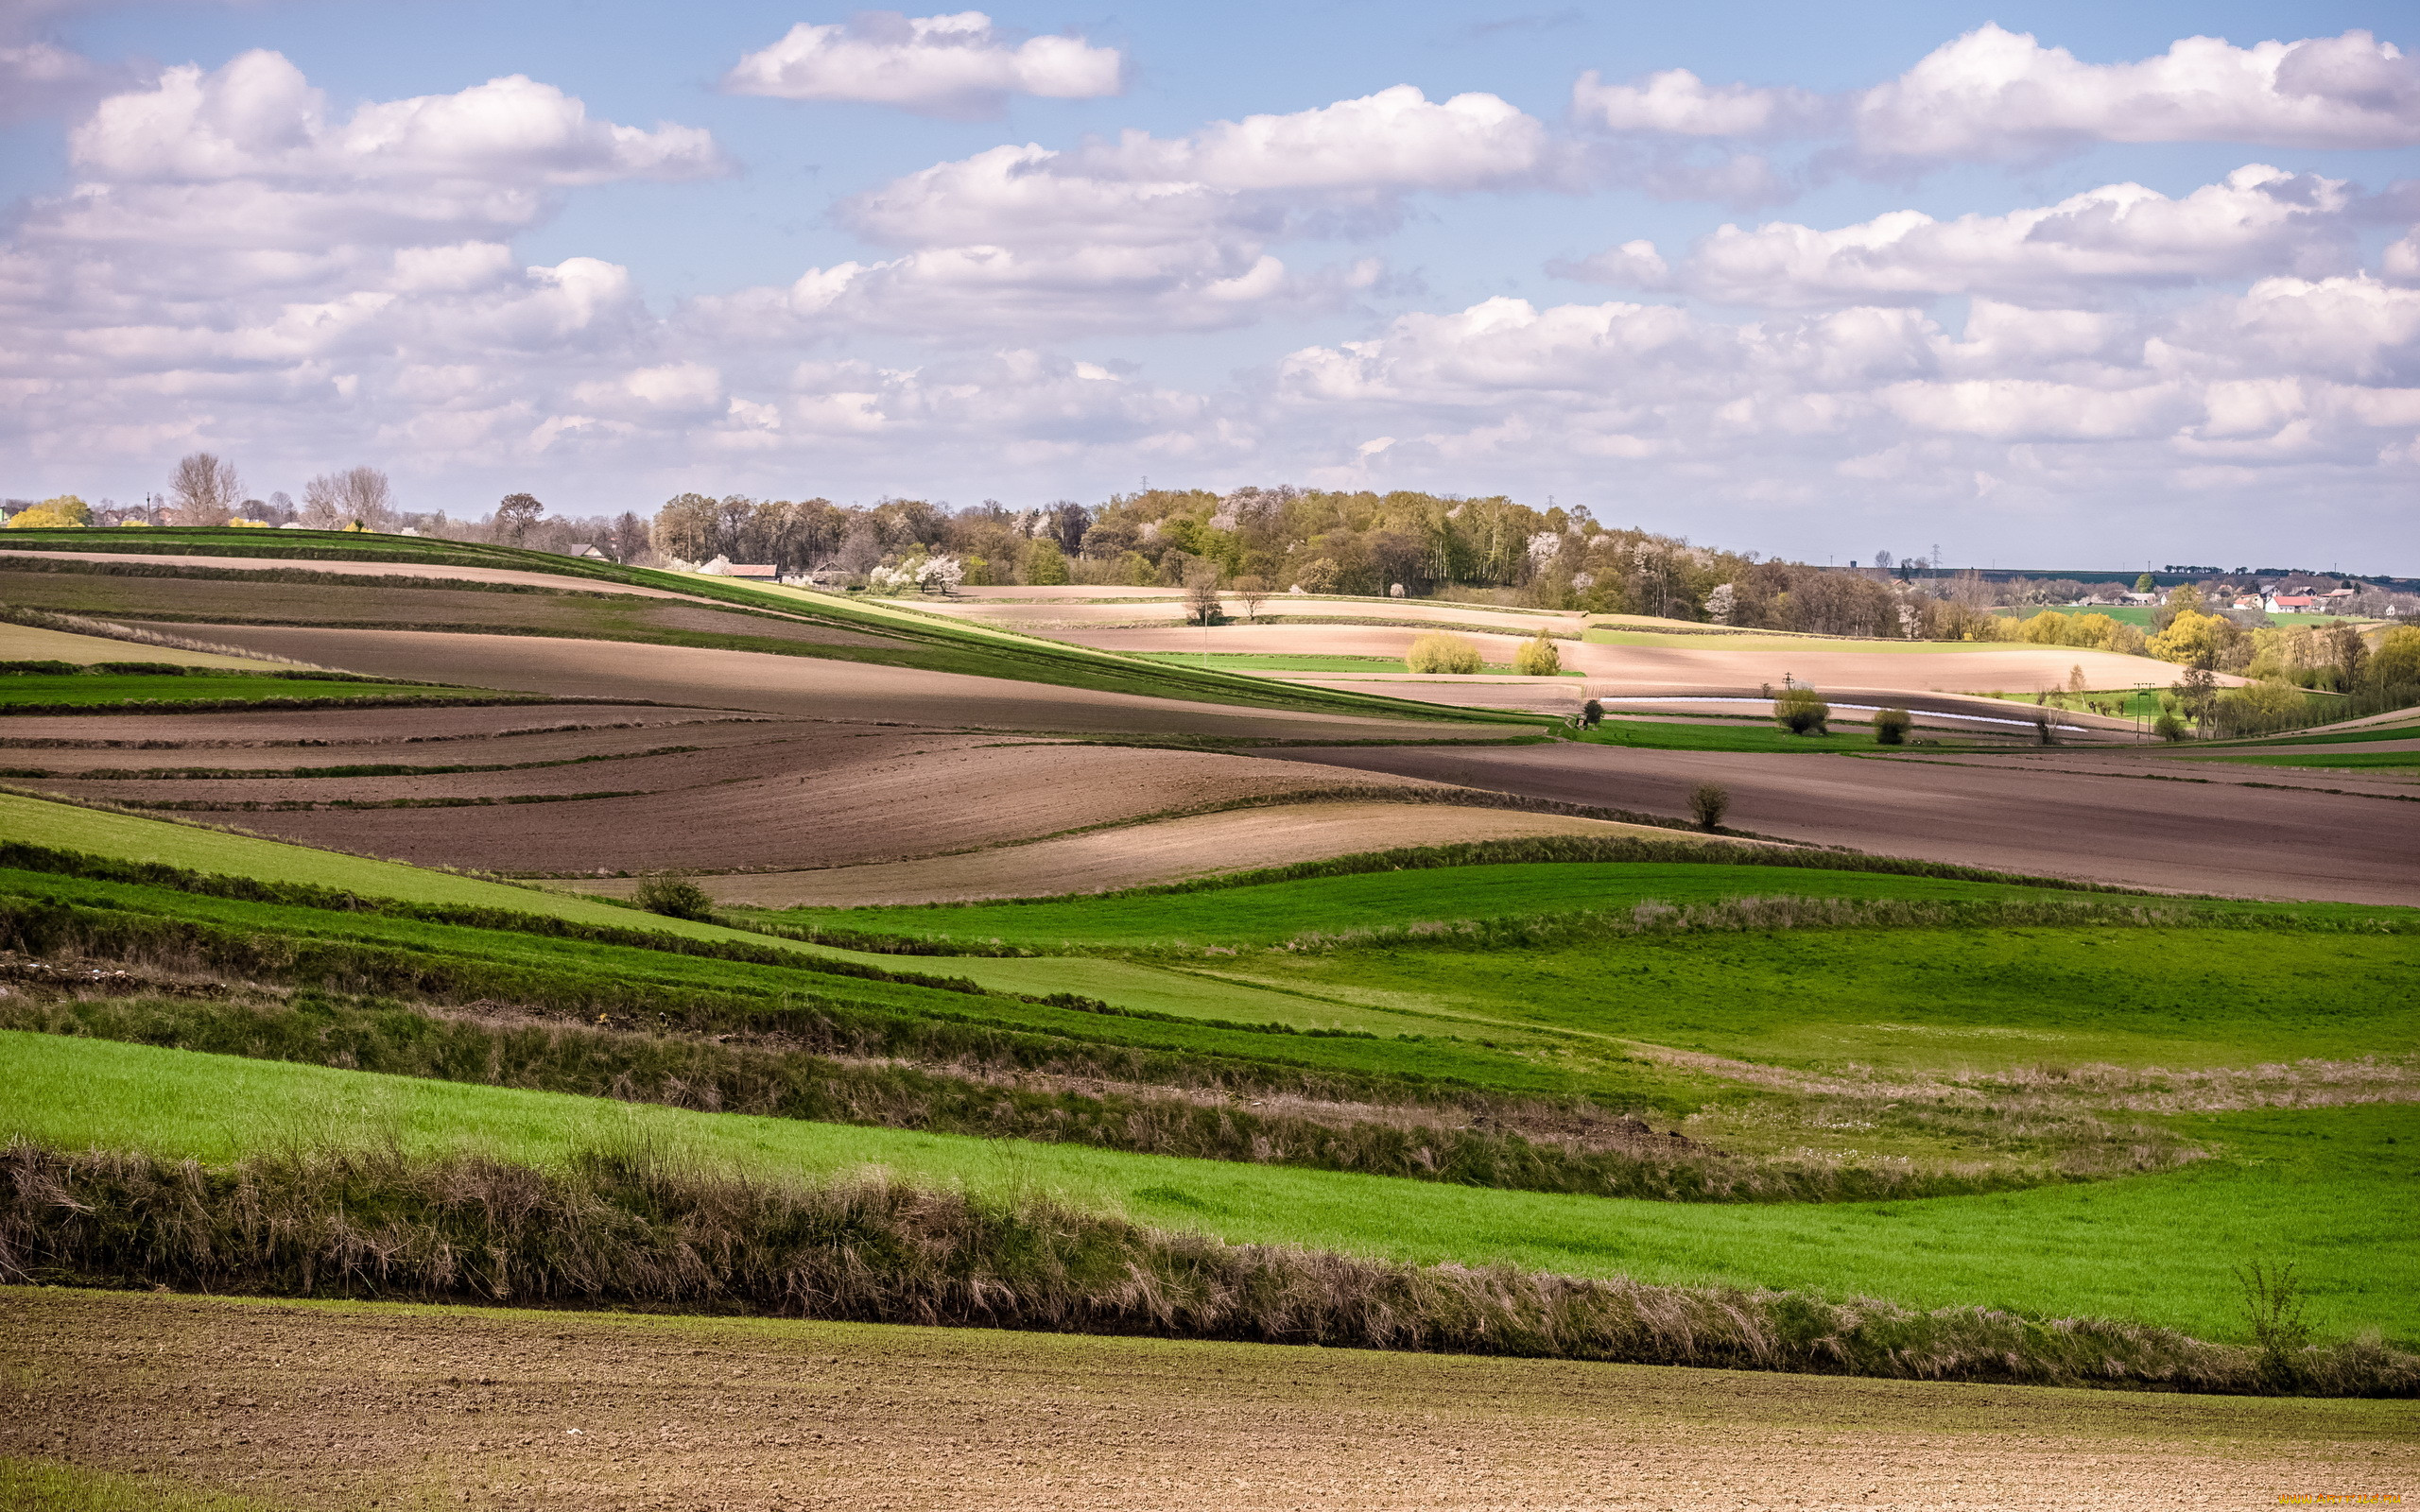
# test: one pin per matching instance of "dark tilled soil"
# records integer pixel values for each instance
(334, 1406)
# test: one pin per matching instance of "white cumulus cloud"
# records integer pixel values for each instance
(1676, 101)
(1997, 94)
(2086, 248)
(956, 65)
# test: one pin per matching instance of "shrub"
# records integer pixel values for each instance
(1891, 726)
(1801, 712)
(1439, 652)
(1708, 804)
(2272, 1299)
(674, 896)
(2168, 726)
(1537, 658)
(1591, 714)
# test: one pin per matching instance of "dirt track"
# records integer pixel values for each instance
(2138, 831)
(339, 1405)
(1136, 855)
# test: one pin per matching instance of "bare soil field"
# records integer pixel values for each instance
(2164, 766)
(800, 686)
(2226, 840)
(1746, 663)
(330, 727)
(1139, 854)
(27, 643)
(827, 799)
(1730, 663)
(339, 1406)
(573, 742)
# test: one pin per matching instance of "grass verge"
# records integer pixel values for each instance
(631, 1228)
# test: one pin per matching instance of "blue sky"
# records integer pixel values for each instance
(591, 286)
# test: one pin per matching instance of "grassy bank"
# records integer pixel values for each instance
(632, 1228)
(2327, 1187)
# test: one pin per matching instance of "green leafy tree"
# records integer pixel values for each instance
(1045, 565)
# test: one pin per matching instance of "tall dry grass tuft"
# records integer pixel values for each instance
(631, 1228)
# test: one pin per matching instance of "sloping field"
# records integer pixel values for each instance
(821, 799)
(343, 569)
(397, 601)
(340, 1405)
(29, 642)
(810, 687)
(2230, 840)
(1135, 855)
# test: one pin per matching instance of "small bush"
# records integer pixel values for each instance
(2168, 726)
(1439, 652)
(1801, 712)
(1591, 714)
(1538, 657)
(1708, 804)
(1891, 726)
(674, 896)
(2272, 1299)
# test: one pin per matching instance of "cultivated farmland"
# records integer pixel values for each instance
(1217, 1008)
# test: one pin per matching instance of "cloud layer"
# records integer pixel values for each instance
(236, 262)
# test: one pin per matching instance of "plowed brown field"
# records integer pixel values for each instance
(1136, 855)
(815, 801)
(2136, 830)
(345, 1406)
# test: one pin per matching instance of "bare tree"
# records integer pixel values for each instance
(206, 490)
(357, 495)
(1202, 595)
(1252, 589)
(630, 536)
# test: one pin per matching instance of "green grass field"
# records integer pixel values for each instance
(1267, 913)
(2327, 1188)
(1656, 735)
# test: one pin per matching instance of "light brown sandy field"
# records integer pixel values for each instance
(27, 643)
(1135, 855)
(810, 687)
(2139, 831)
(346, 1405)
(1741, 662)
